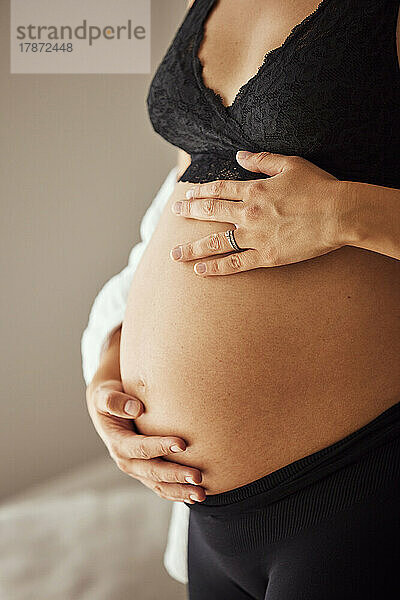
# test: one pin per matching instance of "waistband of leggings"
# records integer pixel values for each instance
(381, 430)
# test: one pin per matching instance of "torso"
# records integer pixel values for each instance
(240, 31)
(261, 368)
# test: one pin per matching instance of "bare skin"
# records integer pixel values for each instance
(113, 413)
(237, 36)
(260, 369)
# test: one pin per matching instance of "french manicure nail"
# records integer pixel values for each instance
(189, 194)
(131, 407)
(190, 480)
(200, 267)
(176, 253)
(242, 154)
(192, 497)
(176, 448)
(177, 207)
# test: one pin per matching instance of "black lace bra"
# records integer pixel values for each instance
(330, 93)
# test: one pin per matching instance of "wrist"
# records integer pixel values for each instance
(350, 229)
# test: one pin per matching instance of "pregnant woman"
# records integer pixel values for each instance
(262, 331)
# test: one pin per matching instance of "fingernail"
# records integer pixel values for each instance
(189, 194)
(177, 207)
(190, 480)
(176, 253)
(131, 407)
(176, 448)
(200, 267)
(195, 498)
(242, 154)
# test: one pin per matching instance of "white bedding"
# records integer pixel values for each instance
(94, 534)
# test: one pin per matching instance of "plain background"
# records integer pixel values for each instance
(79, 164)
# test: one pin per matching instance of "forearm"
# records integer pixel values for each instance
(370, 217)
(109, 362)
(184, 160)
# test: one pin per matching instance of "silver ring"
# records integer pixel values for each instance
(230, 236)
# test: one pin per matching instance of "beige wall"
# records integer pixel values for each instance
(79, 164)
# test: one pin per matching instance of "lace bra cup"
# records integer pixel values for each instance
(330, 93)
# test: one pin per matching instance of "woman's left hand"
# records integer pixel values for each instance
(293, 215)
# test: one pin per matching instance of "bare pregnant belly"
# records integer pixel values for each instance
(258, 369)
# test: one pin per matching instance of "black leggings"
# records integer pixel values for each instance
(325, 527)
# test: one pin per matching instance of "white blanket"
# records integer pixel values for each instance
(94, 536)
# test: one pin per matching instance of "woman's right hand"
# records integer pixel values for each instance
(140, 456)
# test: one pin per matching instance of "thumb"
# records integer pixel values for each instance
(110, 400)
(262, 162)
